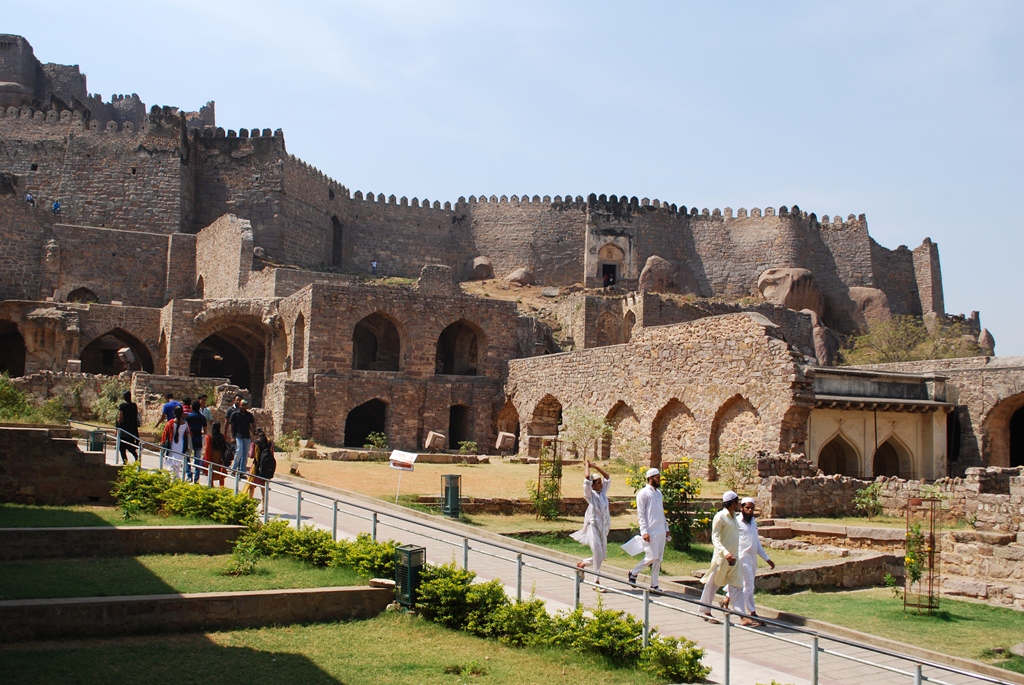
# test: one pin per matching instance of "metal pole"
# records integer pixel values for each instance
(209, 474)
(298, 509)
(519, 577)
(725, 670)
(266, 501)
(814, 660)
(576, 591)
(373, 526)
(117, 446)
(161, 458)
(918, 677)
(334, 521)
(647, 617)
(237, 476)
(465, 554)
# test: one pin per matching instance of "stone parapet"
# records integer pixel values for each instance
(101, 541)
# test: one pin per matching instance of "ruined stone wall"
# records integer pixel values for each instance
(895, 276)
(224, 256)
(929, 277)
(310, 203)
(42, 466)
(22, 236)
(679, 381)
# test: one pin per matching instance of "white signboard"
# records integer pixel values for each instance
(403, 461)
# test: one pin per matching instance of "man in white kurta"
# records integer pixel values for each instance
(725, 537)
(597, 521)
(750, 550)
(650, 513)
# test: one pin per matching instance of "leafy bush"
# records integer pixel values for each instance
(443, 595)
(905, 338)
(377, 441)
(678, 490)
(582, 432)
(615, 635)
(519, 624)
(546, 497)
(15, 407)
(144, 488)
(105, 406)
(468, 447)
(289, 442)
(866, 500)
(371, 558)
(192, 500)
(482, 600)
(673, 660)
(312, 545)
(735, 466)
(244, 559)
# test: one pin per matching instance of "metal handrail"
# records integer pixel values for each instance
(577, 576)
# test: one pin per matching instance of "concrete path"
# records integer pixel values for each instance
(755, 656)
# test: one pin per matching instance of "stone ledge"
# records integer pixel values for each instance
(34, 619)
(104, 541)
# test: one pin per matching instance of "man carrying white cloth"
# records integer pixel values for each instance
(597, 521)
(750, 550)
(650, 513)
(725, 536)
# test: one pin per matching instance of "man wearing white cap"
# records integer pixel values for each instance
(597, 521)
(750, 550)
(650, 512)
(725, 536)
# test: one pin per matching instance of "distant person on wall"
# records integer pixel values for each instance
(56, 208)
(749, 550)
(214, 449)
(725, 537)
(597, 521)
(242, 423)
(30, 200)
(197, 428)
(607, 280)
(128, 422)
(373, 267)
(650, 513)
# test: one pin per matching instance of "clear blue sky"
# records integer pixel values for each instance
(910, 113)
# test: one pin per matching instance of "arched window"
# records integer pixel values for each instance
(838, 457)
(892, 460)
(12, 349)
(82, 295)
(627, 326)
(235, 353)
(607, 329)
(508, 422)
(458, 350)
(369, 417)
(200, 288)
(376, 344)
(547, 417)
(1017, 438)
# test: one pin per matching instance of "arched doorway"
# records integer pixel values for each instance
(1002, 433)
(234, 353)
(82, 296)
(607, 329)
(369, 417)
(508, 422)
(627, 326)
(609, 264)
(12, 350)
(625, 431)
(838, 457)
(673, 433)
(886, 462)
(547, 417)
(376, 344)
(100, 356)
(460, 425)
(1017, 438)
(458, 350)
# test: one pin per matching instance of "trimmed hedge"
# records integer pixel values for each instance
(315, 546)
(137, 489)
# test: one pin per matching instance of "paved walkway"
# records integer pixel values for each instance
(756, 657)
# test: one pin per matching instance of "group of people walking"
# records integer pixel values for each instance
(734, 538)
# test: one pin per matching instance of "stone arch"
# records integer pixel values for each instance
(610, 259)
(673, 433)
(507, 421)
(82, 295)
(547, 417)
(625, 428)
(12, 349)
(839, 456)
(460, 349)
(376, 344)
(460, 425)
(236, 349)
(368, 417)
(100, 355)
(606, 330)
(736, 424)
(200, 288)
(628, 323)
(892, 458)
(1004, 444)
(299, 342)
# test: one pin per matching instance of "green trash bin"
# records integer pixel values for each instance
(450, 494)
(409, 561)
(95, 441)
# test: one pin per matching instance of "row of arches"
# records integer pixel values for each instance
(891, 459)
(377, 345)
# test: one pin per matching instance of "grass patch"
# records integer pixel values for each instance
(32, 516)
(878, 522)
(391, 648)
(963, 629)
(159, 574)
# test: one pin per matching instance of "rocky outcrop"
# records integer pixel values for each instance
(437, 279)
(520, 276)
(482, 269)
(795, 289)
(987, 343)
(855, 310)
(826, 344)
(662, 276)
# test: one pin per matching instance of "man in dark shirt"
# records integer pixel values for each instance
(128, 422)
(242, 423)
(196, 428)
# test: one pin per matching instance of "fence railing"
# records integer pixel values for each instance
(804, 638)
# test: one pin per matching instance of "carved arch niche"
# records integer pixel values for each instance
(376, 344)
(626, 432)
(673, 434)
(736, 426)
(1003, 432)
(839, 456)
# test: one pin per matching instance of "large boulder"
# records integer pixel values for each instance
(987, 343)
(855, 310)
(662, 276)
(437, 279)
(520, 276)
(482, 269)
(826, 344)
(792, 288)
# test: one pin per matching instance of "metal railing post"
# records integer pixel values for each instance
(298, 509)
(814, 660)
(161, 458)
(209, 474)
(266, 502)
(647, 617)
(373, 526)
(519, 577)
(918, 676)
(578, 576)
(465, 554)
(117, 446)
(334, 521)
(725, 651)
(238, 474)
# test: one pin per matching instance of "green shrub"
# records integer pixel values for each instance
(546, 497)
(244, 559)
(289, 442)
(866, 500)
(312, 545)
(519, 624)
(15, 407)
(615, 635)
(272, 539)
(444, 595)
(145, 488)
(371, 558)
(483, 600)
(678, 491)
(468, 447)
(192, 500)
(735, 466)
(377, 441)
(674, 661)
(105, 406)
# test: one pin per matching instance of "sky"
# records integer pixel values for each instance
(908, 112)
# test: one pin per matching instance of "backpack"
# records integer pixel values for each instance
(266, 463)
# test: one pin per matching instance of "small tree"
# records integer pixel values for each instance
(636, 455)
(678, 490)
(905, 338)
(582, 432)
(735, 466)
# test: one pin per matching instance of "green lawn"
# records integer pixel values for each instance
(960, 628)
(878, 522)
(675, 563)
(30, 516)
(392, 648)
(158, 574)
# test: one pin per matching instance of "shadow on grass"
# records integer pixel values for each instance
(171, 659)
(21, 516)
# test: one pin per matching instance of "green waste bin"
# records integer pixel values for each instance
(450, 493)
(409, 561)
(95, 441)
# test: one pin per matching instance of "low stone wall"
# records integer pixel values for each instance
(794, 465)
(102, 541)
(986, 565)
(571, 506)
(35, 619)
(788, 497)
(45, 466)
(866, 570)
